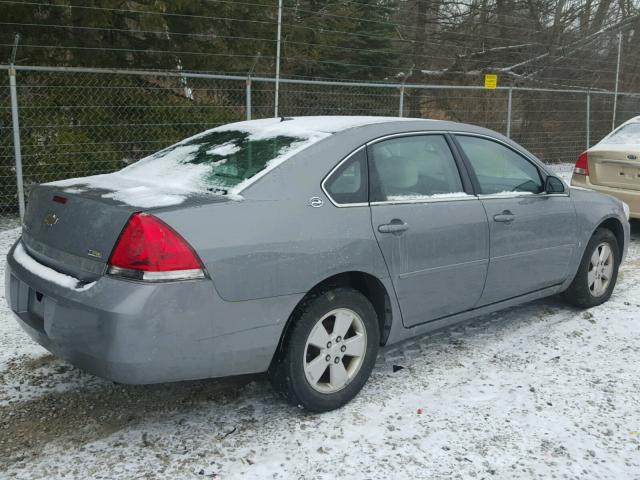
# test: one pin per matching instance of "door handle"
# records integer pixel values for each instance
(395, 226)
(505, 217)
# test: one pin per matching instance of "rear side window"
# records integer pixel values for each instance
(416, 167)
(498, 168)
(349, 184)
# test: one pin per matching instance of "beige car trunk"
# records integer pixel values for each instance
(615, 168)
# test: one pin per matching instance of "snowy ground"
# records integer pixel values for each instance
(538, 391)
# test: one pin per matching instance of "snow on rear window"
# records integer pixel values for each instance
(224, 150)
(224, 159)
(629, 133)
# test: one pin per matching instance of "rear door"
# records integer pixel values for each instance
(533, 234)
(432, 231)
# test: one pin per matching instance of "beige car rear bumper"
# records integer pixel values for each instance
(630, 197)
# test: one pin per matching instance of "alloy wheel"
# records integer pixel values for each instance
(600, 269)
(334, 350)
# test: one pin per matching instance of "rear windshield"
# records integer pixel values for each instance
(629, 133)
(222, 160)
(232, 156)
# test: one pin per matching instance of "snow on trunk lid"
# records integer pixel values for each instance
(72, 233)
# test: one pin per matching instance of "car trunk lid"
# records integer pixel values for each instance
(74, 230)
(616, 168)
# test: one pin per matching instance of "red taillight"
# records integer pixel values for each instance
(582, 165)
(149, 249)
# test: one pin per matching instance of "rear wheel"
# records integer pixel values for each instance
(598, 271)
(329, 352)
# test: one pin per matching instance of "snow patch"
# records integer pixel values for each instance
(145, 197)
(224, 150)
(46, 273)
(436, 196)
(321, 123)
(536, 391)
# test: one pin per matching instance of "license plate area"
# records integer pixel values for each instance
(36, 303)
(616, 173)
(629, 177)
(34, 316)
(27, 303)
(630, 173)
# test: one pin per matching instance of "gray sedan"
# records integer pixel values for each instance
(299, 247)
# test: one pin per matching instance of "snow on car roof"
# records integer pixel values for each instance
(321, 123)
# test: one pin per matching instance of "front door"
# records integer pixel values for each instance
(432, 233)
(532, 233)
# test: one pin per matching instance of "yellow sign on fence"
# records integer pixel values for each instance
(490, 81)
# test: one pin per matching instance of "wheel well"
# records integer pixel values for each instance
(614, 225)
(370, 286)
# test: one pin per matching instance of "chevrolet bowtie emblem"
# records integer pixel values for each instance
(51, 219)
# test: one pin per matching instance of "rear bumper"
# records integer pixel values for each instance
(630, 197)
(137, 333)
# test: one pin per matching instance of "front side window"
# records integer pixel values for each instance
(498, 168)
(413, 168)
(348, 184)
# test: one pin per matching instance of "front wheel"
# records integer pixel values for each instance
(598, 271)
(329, 352)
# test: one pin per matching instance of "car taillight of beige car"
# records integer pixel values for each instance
(612, 166)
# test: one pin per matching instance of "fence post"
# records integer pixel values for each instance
(615, 96)
(16, 139)
(509, 100)
(247, 107)
(588, 119)
(279, 40)
(401, 107)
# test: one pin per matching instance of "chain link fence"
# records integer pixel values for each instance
(78, 122)
(8, 191)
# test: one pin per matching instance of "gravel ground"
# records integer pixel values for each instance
(538, 391)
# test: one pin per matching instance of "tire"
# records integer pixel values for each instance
(582, 292)
(318, 366)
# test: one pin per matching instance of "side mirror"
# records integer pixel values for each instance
(553, 185)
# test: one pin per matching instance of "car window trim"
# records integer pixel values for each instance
(488, 196)
(465, 179)
(336, 168)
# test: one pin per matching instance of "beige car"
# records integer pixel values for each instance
(612, 166)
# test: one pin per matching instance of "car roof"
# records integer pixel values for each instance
(320, 123)
(633, 120)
